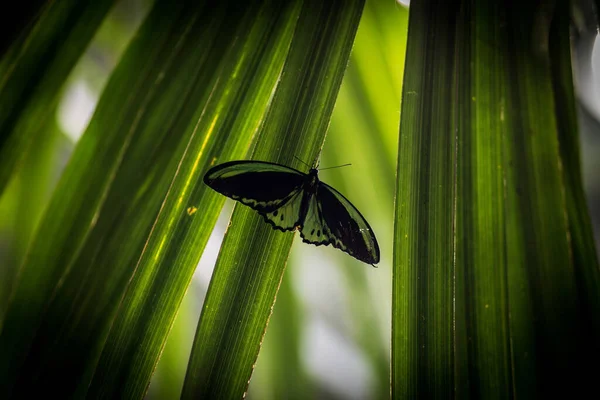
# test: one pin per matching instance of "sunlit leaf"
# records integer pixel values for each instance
(242, 90)
(188, 88)
(253, 257)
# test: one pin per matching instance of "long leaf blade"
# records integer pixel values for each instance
(89, 244)
(422, 272)
(550, 332)
(253, 256)
(504, 311)
(34, 69)
(179, 233)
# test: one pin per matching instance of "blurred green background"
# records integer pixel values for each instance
(329, 336)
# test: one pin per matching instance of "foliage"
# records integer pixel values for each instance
(489, 278)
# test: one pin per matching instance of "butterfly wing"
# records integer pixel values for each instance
(332, 219)
(287, 216)
(274, 190)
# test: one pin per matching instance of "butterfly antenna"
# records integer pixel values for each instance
(302, 161)
(337, 166)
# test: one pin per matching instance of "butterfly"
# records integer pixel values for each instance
(292, 200)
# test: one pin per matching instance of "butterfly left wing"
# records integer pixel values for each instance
(332, 219)
(274, 190)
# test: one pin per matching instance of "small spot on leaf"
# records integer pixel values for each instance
(191, 210)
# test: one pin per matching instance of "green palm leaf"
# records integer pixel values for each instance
(126, 202)
(488, 291)
(253, 257)
(494, 287)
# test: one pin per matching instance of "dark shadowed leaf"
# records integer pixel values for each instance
(492, 296)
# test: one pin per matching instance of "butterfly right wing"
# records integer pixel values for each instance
(332, 219)
(274, 190)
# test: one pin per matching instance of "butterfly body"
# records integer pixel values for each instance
(292, 200)
(310, 189)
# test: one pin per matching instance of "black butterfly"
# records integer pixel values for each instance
(289, 199)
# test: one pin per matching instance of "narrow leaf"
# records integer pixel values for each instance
(550, 308)
(131, 185)
(242, 90)
(34, 69)
(253, 256)
(422, 331)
